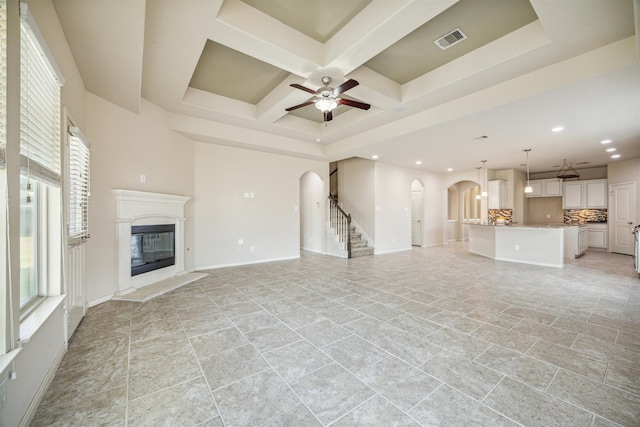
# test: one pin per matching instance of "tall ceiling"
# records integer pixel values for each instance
(223, 70)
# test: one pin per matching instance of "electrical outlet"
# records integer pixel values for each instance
(548, 216)
(253, 248)
(517, 247)
(3, 392)
(143, 178)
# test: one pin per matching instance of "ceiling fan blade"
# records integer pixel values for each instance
(328, 116)
(295, 107)
(306, 89)
(356, 104)
(345, 86)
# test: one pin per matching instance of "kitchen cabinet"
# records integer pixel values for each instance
(576, 241)
(551, 187)
(590, 194)
(572, 195)
(597, 236)
(596, 194)
(497, 194)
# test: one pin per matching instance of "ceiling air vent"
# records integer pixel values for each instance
(448, 40)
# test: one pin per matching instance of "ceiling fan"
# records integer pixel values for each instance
(327, 98)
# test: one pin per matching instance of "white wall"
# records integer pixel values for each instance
(356, 192)
(393, 208)
(269, 221)
(125, 145)
(313, 208)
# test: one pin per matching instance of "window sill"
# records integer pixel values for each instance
(7, 359)
(34, 321)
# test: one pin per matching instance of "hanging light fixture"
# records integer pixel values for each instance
(484, 179)
(528, 188)
(478, 196)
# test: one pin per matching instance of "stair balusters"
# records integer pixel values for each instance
(341, 222)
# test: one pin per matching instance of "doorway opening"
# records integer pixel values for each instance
(417, 201)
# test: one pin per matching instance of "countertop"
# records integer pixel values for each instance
(533, 225)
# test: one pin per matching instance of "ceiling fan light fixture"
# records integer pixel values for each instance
(326, 104)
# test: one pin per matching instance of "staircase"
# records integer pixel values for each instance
(359, 245)
(345, 234)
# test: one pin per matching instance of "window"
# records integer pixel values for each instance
(472, 205)
(28, 240)
(78, 185)
(40, 213)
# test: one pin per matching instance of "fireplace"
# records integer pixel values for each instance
(152, 247)
(142, 209)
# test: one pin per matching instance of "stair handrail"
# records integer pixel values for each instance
(341, 221)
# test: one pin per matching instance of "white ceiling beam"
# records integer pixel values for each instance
(242, 28)
(378, 26)
(171, 56)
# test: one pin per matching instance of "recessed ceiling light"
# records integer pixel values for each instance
(610, 150)
(605, 141)
(615, 156)
(418, 162)
(375, 156)
(318, 139)
(449, 169)
(557, 129)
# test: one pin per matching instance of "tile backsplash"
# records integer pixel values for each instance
(494, 214)
(572, 216)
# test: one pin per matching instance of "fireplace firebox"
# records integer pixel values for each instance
(152, 247)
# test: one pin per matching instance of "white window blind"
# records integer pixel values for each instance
(79, 186)
(3, 80)
(39, 106)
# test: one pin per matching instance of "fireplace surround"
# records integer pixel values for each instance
(139, 208)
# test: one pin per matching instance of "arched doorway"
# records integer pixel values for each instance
(463, 207)
(417, 201)
(312, 212)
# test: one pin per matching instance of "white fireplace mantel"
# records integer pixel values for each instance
(144, 208)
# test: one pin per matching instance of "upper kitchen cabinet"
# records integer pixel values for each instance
(551, 187)
(572, 195)
(497, 194)
(591, 194)
(596, 194)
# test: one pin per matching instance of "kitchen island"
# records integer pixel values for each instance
(537, 245)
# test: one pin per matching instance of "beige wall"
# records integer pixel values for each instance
(540, 207)
(269, 221)
(125, 145)
(356, 192)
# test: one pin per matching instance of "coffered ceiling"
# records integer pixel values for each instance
(223, 69)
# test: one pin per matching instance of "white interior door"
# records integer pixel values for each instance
(416, 217)
(622, 217)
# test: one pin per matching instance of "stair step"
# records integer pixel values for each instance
(358, 243)
(358, 252)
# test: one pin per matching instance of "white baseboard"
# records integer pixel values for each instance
(261, 261)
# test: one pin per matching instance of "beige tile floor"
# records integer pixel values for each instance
(432, 336)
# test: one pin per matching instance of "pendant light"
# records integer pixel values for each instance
(484, 179)
(528, 188)
(478, 196)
